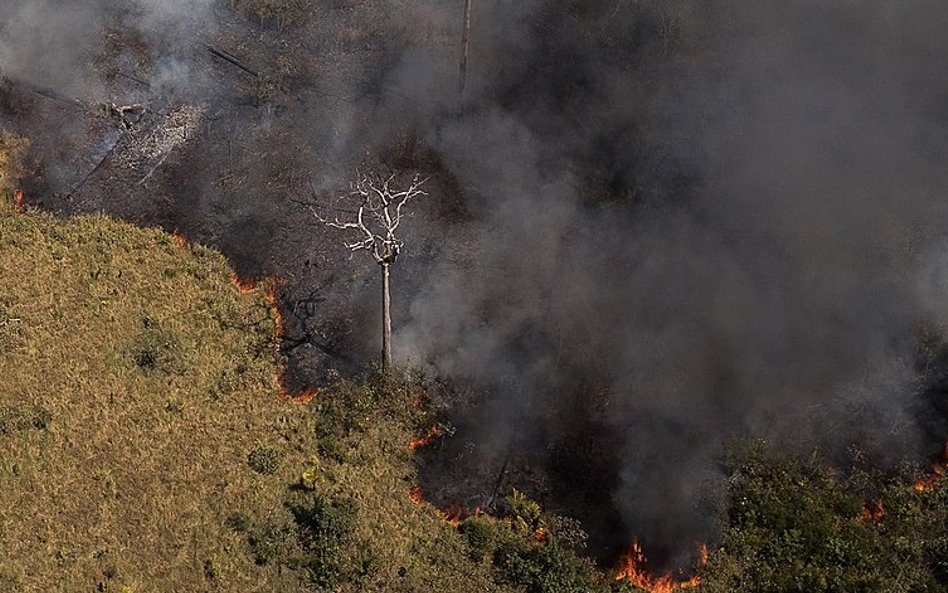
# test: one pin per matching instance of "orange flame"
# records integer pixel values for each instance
(632, 568)
(453, 514)
(541, 535)
(302, 398)
(274, 285)
(433, 432)
(415, 494)
(243, 286)
(873, 511)
(179, 238)
(18, 196)
(926, 484)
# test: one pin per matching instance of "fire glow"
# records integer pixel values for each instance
(632, 568)
(18, 197)
(928, 483)
(874, 510)
(454, 514)
(433, 433)
(274, 285)
(242, 286)
(179, 238)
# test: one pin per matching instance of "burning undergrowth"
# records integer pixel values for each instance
(271, 287)
(656, 228)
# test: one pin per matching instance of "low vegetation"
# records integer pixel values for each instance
(794, 527)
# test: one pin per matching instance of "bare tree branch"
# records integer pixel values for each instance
(374, 210)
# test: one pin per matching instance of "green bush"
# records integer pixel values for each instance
(544, 568)
(325, 527)
(156, 351)
(15, 419)
(272, 543)
(265, 460)
(794, 527)
(526, 513)
(481, 536)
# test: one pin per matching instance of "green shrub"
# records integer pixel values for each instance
(239, 522)
(265, 460)
(526, 513)
(481, 536)
(544, 568)
(325, 527)
(272, 543)
(793, 527)
(17, 419)
(156, 351)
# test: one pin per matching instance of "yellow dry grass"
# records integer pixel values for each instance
(134, 382)
(12, 156)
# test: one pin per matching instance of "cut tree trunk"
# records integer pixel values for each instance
(386, 319)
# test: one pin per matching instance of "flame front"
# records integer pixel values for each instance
(273, 285)
(873, 511)
(453, 514)
(415, 494)
(433, 432)
(632, 568)
(272, 299)
(179, 238)
(243, 286)
(926, 484)
(18, 196)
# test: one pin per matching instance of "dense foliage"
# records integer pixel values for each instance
(795, 527)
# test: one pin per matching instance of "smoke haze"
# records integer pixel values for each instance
(658, 227)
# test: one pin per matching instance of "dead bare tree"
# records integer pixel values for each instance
(371, 213)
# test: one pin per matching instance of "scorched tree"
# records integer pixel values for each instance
(370, 213)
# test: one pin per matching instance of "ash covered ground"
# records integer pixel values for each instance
(657, 228)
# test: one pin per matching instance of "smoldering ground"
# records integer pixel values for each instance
(657, 228)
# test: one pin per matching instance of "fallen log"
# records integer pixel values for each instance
(54, 96)
(231, 59)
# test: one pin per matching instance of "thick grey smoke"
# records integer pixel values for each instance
(771, 243)
(658, 227)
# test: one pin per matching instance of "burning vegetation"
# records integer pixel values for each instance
(272, 285)
(874, 510)
(938, 471)
(633, 569)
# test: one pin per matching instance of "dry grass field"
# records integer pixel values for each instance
(145, 446)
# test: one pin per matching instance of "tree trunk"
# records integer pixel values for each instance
(386, 319)
(465, 43)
